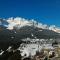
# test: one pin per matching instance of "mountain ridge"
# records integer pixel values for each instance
(20, 22)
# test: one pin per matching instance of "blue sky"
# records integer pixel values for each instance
(45, 11)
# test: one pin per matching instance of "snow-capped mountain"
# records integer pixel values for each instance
(54, 28)
(12, 30)
(23, 22)
(21, 28)
(19, 22)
